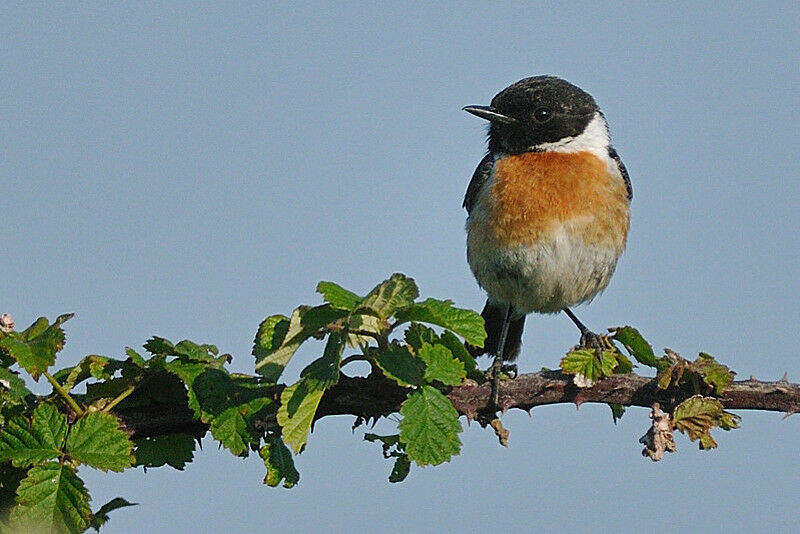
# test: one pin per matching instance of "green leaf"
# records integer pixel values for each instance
(100, 517)
(95, 366)
(417, 335)
(440, 365)
(697, 415)
(715, 374)
(175, 450)
(135, 358)
(10, 477)
(279, 463)
(31, 443)
(232, 427)
(583, 363)
(195, 352)
(51, 499)
(624, 365)
(617, 411)
(458, 350)
(402, 466)
(324, 372)
(229, 405)
(429, 429)
(638, 347)
(338, 296)
(296, 413)
(98, 441)
(278, 338)
(465, 323)
(400, 365)
(396, 292)
(159, 345)
(35, 348)
(14, 385)
(271, 352)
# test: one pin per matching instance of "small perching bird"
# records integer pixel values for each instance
(548, 210)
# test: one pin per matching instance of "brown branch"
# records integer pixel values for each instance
(376, 396)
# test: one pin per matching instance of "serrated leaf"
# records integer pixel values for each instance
(14, 385)
(100, 517)
(278, 338)
(583, 363)
(324, 372)
(229, 405)
(338, 296)
(417, 335)
(175, 450)
(270, 349)
(697, 415)
(465, 323)
(715, 374)
(459, 351)
(35, 348)
(396, 292)
(430, 427)
(402, 466)
(232, 427)
(193, 351)
(27, 443)
(296, 413)
(98, 441)
(279, 463)
(51, 499)
(159, 345)
(95, 366)
(400, 365)
(135, 358)
(638, 347)
(440, 365)
(10, 477)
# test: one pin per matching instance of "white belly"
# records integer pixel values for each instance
(545, 277)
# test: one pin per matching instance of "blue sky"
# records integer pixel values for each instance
(186, 171)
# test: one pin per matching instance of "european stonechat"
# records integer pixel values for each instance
(548, 209)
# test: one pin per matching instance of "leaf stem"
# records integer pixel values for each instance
(119, 398)
(64, 394)
(354, 358)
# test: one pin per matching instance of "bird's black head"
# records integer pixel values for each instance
(534, 111)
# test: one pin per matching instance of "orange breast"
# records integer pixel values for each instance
(537, 192)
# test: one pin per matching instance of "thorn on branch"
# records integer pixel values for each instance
(659, 437)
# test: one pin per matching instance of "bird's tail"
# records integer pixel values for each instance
(493, 315)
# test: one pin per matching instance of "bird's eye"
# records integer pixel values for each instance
(542, 114)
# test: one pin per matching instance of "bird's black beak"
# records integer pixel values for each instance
(490, 114)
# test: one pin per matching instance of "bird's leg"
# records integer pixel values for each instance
(497, 364)
(589, 339)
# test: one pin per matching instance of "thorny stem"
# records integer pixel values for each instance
(64, 394)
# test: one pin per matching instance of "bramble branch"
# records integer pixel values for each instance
(376, 396)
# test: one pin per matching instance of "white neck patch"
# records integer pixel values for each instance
(594, 139)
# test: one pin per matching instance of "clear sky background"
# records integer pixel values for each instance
(186, 171)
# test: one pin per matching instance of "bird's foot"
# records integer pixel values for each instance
(596, 342)
(509, 369)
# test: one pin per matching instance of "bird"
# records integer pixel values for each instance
(548, 211)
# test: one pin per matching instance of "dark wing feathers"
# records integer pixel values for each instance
(479, 177)
(622, 170)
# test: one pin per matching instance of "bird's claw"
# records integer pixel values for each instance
(597, 342)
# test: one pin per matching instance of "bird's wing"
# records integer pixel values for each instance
(623, 171)
(479, 178)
